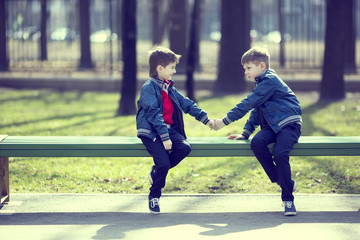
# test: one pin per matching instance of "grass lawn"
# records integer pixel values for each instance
(45, 113)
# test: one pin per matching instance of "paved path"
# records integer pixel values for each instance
(119, 216)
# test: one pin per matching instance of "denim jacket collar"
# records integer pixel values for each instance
(160, 82)
(262, 76)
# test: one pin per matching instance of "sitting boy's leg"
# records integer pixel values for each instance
(161, 167)
(259, 145)
(180, 148)
(285, 141)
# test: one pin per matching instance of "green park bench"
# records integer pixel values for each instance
(118, 146)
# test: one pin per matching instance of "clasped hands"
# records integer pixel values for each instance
(217, 124)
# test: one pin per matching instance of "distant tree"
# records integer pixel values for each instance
(235, 41)
(350, 38)
(177, 34)
(192, 50)
(332, 84)
(85, 50)
(118, 28)
(156, 22)
(4, 65)
(281, 24)
(160, 20)
(43, 37)
(128, 89)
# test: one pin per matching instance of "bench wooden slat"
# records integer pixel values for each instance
(115, 146)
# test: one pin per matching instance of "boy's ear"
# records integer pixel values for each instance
(159, 68)
(263, 65)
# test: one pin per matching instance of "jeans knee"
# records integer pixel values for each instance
(281, 159)
(185, 149)
(256, 143)
(163, 167)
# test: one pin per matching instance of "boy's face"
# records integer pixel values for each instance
(166, 72)
(253, 71)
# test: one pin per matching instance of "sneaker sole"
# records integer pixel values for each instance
(290, 213)
(154, 213)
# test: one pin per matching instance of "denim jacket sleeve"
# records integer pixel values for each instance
(262, 92)
(190, 107)
(150, 103)
(251, 124)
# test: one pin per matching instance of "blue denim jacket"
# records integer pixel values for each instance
(149, 119)
(278, 103)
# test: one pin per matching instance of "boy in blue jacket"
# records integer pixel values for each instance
(159, 120)
(277, 110)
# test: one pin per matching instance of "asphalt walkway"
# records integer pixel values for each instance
(122, 216)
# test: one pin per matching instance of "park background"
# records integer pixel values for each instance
(74, 67)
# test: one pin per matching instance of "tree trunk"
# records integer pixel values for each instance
(235, 41)
(332, 84)
(192, 50)
(156, 22)
(160, 20)
(281, 24)
(177, 34)
(43, 37)
(118, 29)
(350, 38)
(128, 89)
(85, 51)
(4, 64)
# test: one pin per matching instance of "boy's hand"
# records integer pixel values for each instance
(167, 145)
(210, 124)
(218, 124)
(237, 137)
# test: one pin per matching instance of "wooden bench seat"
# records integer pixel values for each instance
(117, 146)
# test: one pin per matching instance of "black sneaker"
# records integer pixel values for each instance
(154, 205)
(290, 209)
(150, 175)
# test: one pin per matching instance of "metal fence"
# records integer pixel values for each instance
(304, 23)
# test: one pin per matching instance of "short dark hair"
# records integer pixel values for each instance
(256, 55)
(161, 56)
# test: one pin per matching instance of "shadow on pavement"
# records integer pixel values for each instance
(119, 224)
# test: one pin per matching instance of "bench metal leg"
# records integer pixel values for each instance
(4, 180)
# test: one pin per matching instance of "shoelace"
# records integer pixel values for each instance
(287, 204)
(154, 202)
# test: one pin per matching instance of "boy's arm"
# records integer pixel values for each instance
(251, 124)
(190, 107)
(262, 92)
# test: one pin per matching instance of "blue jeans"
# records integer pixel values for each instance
(276, 164)
(165, 160)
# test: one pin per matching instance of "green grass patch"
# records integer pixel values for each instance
(49, 113)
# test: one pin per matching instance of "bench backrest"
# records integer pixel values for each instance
(117, 146)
